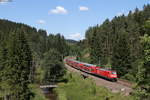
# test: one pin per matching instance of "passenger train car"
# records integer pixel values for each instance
(93, 69)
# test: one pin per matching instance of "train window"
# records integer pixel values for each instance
(113, 72)
(87, 66)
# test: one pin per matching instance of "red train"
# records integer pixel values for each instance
(93, 69)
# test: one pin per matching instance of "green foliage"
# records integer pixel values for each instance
(39, 75)
(16, 62)
(21, 47)
(38, 94)
(84, 55)
(117, 42)
(61, 46)
(74, 49)
(84, 89)
(122, 44)
(53, 67)
(39, 41)
(121, 59)
(142, 91)
(129, 77)
(147, 24)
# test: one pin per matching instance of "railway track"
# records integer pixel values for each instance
(120, 86)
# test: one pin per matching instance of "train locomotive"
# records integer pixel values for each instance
(92, 69)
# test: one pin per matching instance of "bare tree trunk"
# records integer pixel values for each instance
(5, 97)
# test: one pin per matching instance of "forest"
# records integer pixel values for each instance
(122, 44)
(23, 50)
(30, 57)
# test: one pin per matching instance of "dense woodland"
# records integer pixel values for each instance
(122, 44)
(29, 56)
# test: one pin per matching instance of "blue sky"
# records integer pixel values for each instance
(71, 18)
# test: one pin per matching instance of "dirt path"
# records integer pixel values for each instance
(119, 86)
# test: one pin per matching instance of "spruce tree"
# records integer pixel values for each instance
(5, 89)
(20, 63)
(142, 91)
(121, 59)
(53, 66)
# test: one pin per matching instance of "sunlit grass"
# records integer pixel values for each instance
(85, 89)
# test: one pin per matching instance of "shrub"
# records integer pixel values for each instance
(79, 88)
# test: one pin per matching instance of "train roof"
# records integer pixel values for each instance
(105, 69)
(89, 64)
(82, 63)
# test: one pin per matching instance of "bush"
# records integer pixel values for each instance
(79, 88)
(129, 77)
(38, 95)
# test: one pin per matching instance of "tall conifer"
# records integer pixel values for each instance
(20, 63)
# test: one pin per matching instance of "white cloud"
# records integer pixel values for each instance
(5, 1)
(41, 22)
(58, 10)
(75, 36)
(83, 8)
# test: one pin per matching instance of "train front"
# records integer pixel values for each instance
(113, 75)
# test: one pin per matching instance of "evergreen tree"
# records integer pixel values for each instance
(121, 59)
(143, 75)
(60, 45)
(19, 65)
(42, 41)
(5, 90)
(95, 50)
(53, 66)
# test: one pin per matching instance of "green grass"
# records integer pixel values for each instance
(38, 94)
(85, 89)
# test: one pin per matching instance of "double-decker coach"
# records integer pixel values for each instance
(93, 69)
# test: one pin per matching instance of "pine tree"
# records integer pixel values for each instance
(5, 90)
(142, 91)
(60, 45)
(20, 62)
(94, 52)
(53, 66)
(121, 59)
